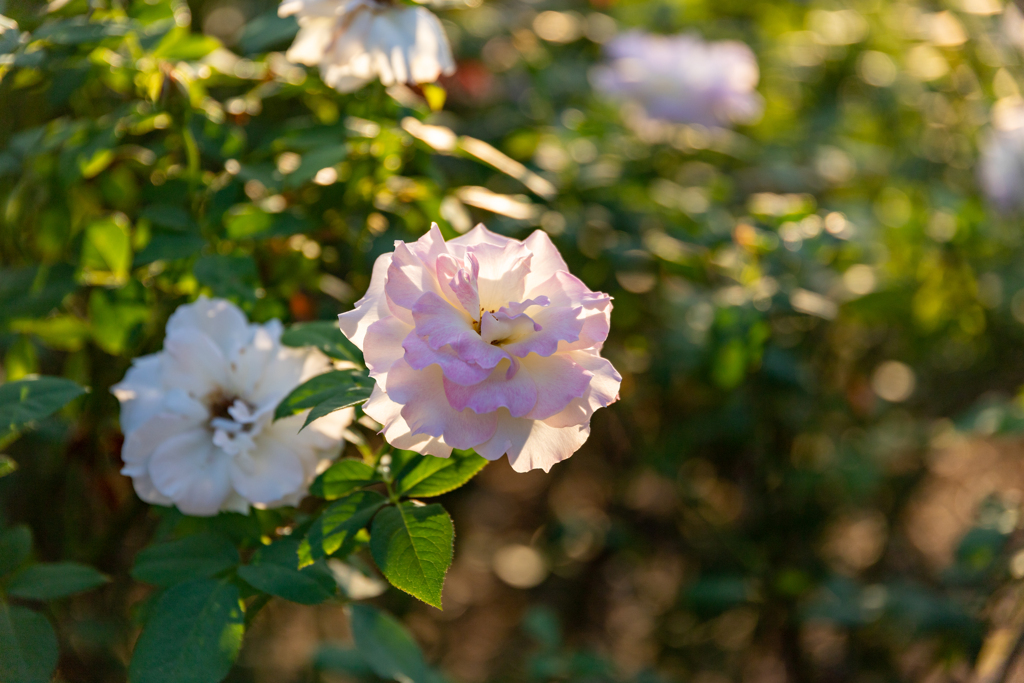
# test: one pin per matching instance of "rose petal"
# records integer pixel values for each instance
(458, 281)
(419, 355)
(269, 472)
(546, 261)
(518, 393)
(396, 430)
(503, 273)
(602, 391)
(194, 363)
(192, 472)
(140, 393)
(371, 308)
(440, 324)
(425, 408)
(531, 444)
(384, 345)
(220, 320)
(559, 381)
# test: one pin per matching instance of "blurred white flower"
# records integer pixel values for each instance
(682, 78)
(357, 41)
(1001, 166)
(198, 417)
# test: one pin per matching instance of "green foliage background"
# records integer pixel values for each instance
(763, 279)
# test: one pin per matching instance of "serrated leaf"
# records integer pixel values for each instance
(335, 530)
(325, 394)
(171, 562)
(412, 546)
(53, 580)
(192, 636)
(324, 335)
(433, 476)
(30, 400)
(343, 477)
(274, 569)
(28, 646)
(387, 647)
(15, 547)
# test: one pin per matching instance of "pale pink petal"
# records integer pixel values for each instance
(458, 282)
(396, 430)
(478, 235)
(506, 387)
(602, 391)
(558, 324)
(503, 273)
(384, 344)
(371, 308)
(192, 472)
(559, 381)
(566, 290)
(546, 261)
(440, 324)
(531, 444)
(507, 329)
(220, 320)
(425, 408)
(419, 355)
(270, 471)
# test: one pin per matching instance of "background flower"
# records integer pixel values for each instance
(483, 342)
(683, 78)
(198, 416)
(356, 41)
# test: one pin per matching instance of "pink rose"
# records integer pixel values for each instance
(483, 342)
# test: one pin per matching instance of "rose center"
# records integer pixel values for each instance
(235, 424)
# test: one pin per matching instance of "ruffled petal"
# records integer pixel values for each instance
(503, 273)
(601, 392)
(531, 444)
(546, 261)
(478, 235)
(419, 355)
(559, 382)
(506, 387)
(440, 324)
(425, 408)
(384, 345)
(396, 430)
(194, 363)
(371, 308)
(192, 472)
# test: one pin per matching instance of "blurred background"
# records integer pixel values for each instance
(815, 246)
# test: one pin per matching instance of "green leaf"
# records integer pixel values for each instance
(324, 335)
(343, 477)
(228, 276)
(193, 635)
(266, 31)
(275, 569)
(7, 466)
(412, 545)
(342, 660)
(433, 476)
(31, 400)
(106, 252)
(28, 646)
(15, 547)
(325, 394)
(171, 562)
(335, 530)
(52, 580)
(386, 645)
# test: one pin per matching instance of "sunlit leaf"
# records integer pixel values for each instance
(412, 545)
(343, 477)
(324, 335)
(334, 531)
(432, 476)
(30, 400)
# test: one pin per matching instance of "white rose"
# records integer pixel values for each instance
(198, 417)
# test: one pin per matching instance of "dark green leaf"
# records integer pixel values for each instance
(324, 394)
(433, 476)
(169, 246)
(192, 636)
(228, 276)
(341, 660)
(169, 216)
(387, 646)
(335, 530)
(267, 31)
(171, 562)
(412, 545)
(28, 646)
(342, 478)
(326, 336)
(15, 547)
(31, 400)
(49, 581)
(275, 569)
(77, 31)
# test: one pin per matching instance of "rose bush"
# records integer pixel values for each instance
(483, 342)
